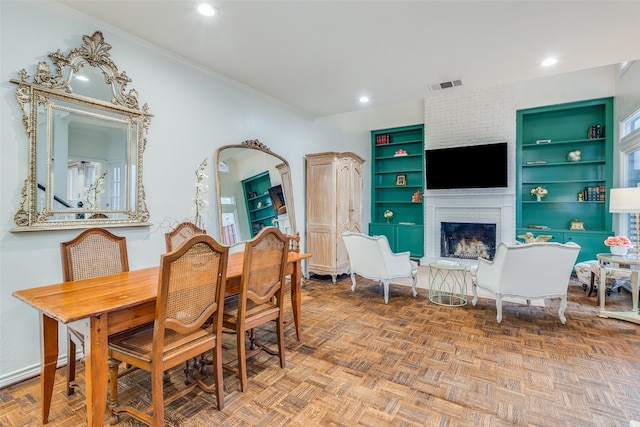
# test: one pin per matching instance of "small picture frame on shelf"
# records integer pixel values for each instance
(401, 180)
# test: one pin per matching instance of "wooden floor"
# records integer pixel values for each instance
(408, 363)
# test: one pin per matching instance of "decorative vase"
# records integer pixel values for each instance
(388, 220)
(538, 198)
(619, 250)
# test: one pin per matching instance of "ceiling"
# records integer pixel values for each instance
(320, 56)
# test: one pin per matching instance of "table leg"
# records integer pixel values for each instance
(296, 295)
(96, 370)
(602, 281)
(635, 277)
(48, 361)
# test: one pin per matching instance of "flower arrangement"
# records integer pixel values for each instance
(618, 241)
(539, 192)
(388, 215)
(94, 190)
(199, 202)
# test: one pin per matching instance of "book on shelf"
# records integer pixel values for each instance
(536, 162)
(595, 193)
(383, 138)
(538, 227)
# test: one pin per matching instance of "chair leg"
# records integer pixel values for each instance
(386, 291)
(280, 332)
(113, 390)
(592, 288)
(218, 374)
(242, 360)
(353, 282)
(499, 308)
(71, 365)
(157, 397)
(474, 288)
(563, 307)
(413, 285)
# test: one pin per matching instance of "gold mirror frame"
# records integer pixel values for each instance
(258, 158)
(111, 134)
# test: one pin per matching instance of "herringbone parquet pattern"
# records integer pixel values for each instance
(409, 363)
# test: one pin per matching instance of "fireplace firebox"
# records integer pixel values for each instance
(467, 240)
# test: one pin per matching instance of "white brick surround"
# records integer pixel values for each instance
(456, 117)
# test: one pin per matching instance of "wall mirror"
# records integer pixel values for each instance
(254, 191)
(86, 137)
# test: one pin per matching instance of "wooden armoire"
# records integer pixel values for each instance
(334, 205)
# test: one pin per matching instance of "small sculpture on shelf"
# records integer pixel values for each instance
(574, 156)
(529, 238)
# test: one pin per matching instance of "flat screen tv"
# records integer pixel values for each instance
(476, 166)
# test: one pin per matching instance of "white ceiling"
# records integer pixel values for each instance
(320, 56)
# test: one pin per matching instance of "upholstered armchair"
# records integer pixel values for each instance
(372, 258)
(529, 271)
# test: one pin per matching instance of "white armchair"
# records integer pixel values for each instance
(530, 271)
(372, 258)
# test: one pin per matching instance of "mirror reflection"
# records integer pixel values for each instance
(254, 191)
(87, 135)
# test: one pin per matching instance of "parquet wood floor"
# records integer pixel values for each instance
(408, 363)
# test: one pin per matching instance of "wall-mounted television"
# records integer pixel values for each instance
(474, 166)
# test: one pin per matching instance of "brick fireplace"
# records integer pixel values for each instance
(492, 216)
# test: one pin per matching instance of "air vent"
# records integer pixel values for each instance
(446, 85)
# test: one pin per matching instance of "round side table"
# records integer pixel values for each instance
(447, 283)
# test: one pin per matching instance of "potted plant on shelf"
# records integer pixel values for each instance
(388, 215)
(539, 192)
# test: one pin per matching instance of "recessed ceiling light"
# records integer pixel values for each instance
(549, 62)
(206, 9)
(364, 99)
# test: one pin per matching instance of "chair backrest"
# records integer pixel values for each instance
(180, 234)
(265, 261)
(191, 286)
(94, 252)
(530, 269)
(367, 254)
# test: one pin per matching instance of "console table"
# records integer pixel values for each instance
(623, 262)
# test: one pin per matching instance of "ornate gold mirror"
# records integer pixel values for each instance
(86, 137)
(254, 191)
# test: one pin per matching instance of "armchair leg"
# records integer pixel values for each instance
(563, 307)
(353, 282)
(474, 288)
(386, 291)
(499, 308)
(413, 286)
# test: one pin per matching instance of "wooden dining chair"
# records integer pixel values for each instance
(94, 252)
(191, 290)
(260, 300)
(180, 234)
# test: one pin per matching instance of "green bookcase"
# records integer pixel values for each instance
(398, 185)
(258, 201)
(545, 136)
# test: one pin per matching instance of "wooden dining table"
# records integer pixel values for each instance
(102, 306)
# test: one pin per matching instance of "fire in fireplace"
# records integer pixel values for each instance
(467, 240)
